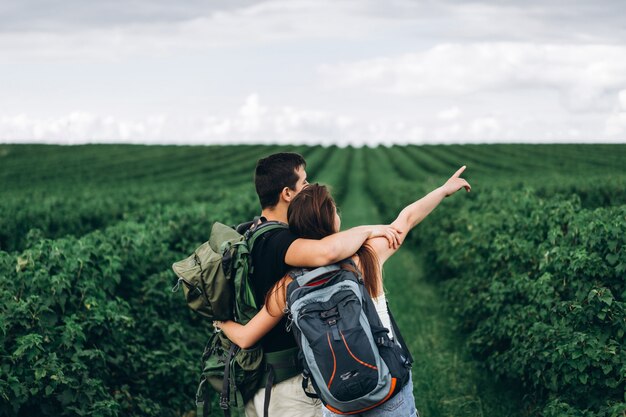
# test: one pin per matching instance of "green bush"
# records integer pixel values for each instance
(539, 285)
(90, 326)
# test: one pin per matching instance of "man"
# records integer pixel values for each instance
(278, 179)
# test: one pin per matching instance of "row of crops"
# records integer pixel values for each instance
(534, 267)
(532, 262)
(88, 322)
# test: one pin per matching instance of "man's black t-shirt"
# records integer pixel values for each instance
(268, 260)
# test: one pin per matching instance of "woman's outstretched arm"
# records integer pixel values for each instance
(245, 336)
(415, 212)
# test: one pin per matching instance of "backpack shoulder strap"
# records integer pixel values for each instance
(350, 261)
(396, 332)
(243, 228)
(297, 272)
(253, 234)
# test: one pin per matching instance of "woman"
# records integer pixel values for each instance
(313, 215)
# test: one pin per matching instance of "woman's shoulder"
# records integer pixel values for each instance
(355, 258)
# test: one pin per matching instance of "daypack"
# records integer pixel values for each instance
(215, 277)
(215, 284)
(347, 354)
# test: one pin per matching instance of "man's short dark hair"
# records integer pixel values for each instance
(275, 172)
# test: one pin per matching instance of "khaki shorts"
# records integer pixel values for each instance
(288, 400)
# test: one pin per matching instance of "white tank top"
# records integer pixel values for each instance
(380, 303)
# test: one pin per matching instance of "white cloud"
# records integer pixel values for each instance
(447, 132)
(584, 75)
(146, 28)
(256, 122)
(449, 114)
(77, 127)
(252, 123)
(616, 122)
(260, 23)
(252, 114)
(170, 72)
(485, 128)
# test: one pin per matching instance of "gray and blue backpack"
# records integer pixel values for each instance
(346, 353)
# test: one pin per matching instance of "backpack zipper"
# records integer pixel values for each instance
(192, 288)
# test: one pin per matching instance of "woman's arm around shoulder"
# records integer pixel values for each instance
(245, 336)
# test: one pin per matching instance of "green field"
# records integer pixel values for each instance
(511, 297)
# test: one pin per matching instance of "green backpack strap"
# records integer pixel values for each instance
(203, 400)
(246, 306)
(228, 381)
(279, 366)
(263, 228)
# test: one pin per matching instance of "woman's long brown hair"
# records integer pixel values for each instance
(311, 215)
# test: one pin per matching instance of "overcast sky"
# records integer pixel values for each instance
(312, 71)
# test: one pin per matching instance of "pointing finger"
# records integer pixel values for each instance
(459, 171)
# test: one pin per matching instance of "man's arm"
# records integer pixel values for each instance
(336, 247)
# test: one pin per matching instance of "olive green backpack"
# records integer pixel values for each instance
(215, 284)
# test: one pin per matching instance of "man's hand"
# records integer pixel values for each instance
(388, 232)
(455, 183)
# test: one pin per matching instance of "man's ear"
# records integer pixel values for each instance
(287, 194)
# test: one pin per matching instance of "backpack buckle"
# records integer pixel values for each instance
(384, 341)
(223, 403)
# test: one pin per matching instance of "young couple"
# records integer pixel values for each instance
(313, 239)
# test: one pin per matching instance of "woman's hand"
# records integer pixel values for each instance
(388, 232)
(455, 183)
